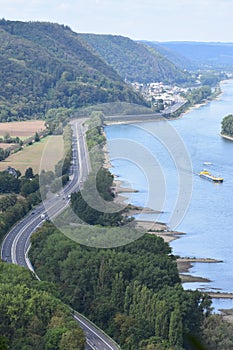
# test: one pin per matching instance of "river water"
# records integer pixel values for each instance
(205, 212)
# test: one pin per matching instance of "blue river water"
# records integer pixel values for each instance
(201, 209)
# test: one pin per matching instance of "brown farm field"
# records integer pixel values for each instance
(22, 129)
(6, 145)
(40, 155)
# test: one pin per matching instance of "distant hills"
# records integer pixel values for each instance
(197, 55)
(176, 58)
(135, 61)
(46, 66)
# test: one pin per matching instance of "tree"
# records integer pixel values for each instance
(18, 173)
(3, 343)
(217, 333)
(118, 292)
(72, 340)
(29, 314)
(26, 189)
(7, 201)
(6, 137)
(210, 78)
(36, 137)
(8, 183)
(2, 154)
(53, 338)
(29, 173)
(227, 125)
(176, 327)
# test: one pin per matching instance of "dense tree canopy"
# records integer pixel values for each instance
(135, 61)
(133, 292)
(32, 317)
(65, 73)
(227, 125)
(9, 183)
(198, 95)
(88, 205)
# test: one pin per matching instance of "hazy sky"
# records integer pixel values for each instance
(159, 20)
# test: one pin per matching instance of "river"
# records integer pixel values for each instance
(207, 214)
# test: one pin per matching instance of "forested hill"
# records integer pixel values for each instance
(45, 65)
(203, 55)
(175, 57)
(135, 61)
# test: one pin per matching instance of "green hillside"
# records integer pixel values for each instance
(177, 58)
(135, 61)
(45, 65)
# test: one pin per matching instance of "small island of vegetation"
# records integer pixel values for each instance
(227, 127)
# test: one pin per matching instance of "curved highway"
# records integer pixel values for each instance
(16, 244)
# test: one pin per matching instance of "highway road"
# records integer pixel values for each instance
(16, 244)
(174, 108)
(134, 118)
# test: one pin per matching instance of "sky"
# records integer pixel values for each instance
(154, 20)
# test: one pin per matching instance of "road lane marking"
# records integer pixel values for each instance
(96, 334)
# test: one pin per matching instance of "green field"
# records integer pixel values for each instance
(40, 155)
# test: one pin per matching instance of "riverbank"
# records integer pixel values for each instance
(155, 117)
(227, 315)
(227, 137)
(152, 227)
(161, 229)
(185, 264)
(201, 234)
(196, 106)
(151, 118)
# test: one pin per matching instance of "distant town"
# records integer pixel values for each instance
(161, 95)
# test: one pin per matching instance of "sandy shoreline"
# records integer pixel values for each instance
(184, 264)
(118, 188)
(159, 229)
(226, 137)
